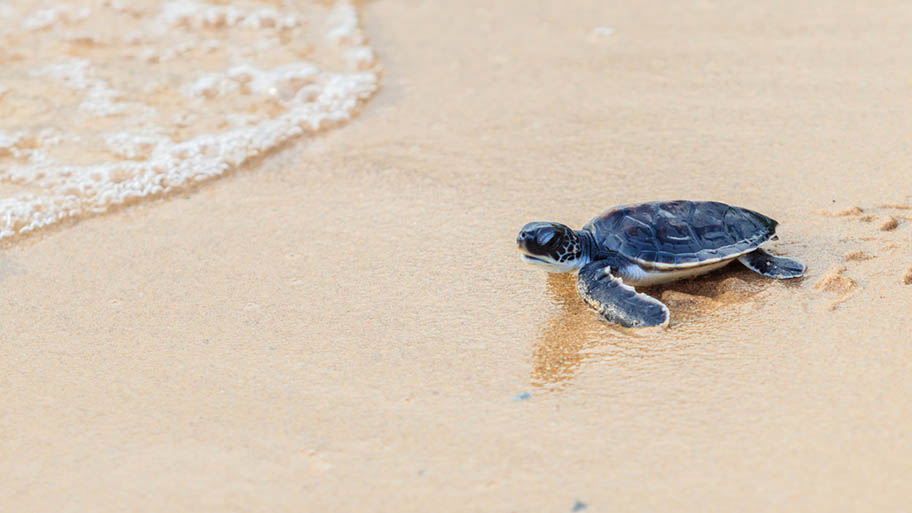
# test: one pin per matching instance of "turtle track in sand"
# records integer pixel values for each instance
(697, 300)
(874, 240)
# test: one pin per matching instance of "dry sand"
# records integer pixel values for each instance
(346, 325)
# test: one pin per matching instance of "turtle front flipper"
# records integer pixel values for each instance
(771, 266)
(615, 301)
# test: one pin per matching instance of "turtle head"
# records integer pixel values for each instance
(554, 246)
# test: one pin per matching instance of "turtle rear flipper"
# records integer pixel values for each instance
(615, 301)
(772, 266)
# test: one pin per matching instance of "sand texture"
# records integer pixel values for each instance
(345, 324)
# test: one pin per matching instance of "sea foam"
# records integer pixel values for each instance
(106, 102)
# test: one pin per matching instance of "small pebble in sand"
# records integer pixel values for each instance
(834, 281)
(890, 224)
(578, 506)
(857, 256)
(522, 397)
(907, 279)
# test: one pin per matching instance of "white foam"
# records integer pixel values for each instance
(344, 25)
(44, 18)
(599, 33)
(200, 15)
(284, 81)
(99, 98)
(41, 19)
(153, 141)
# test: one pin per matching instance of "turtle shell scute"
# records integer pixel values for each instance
(681, 233)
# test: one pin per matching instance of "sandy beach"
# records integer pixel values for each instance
(344, 324)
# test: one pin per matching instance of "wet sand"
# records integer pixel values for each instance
(346, 325)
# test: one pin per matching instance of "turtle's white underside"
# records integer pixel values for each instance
(638, 277)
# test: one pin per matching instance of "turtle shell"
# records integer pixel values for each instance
(680, 234)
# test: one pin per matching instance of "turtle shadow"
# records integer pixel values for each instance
(574, 335)
(694, 298)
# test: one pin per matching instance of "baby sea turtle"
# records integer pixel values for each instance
(648, 244)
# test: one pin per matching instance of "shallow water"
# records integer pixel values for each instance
(108, 102)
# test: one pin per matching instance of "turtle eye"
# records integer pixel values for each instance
(549, 240)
